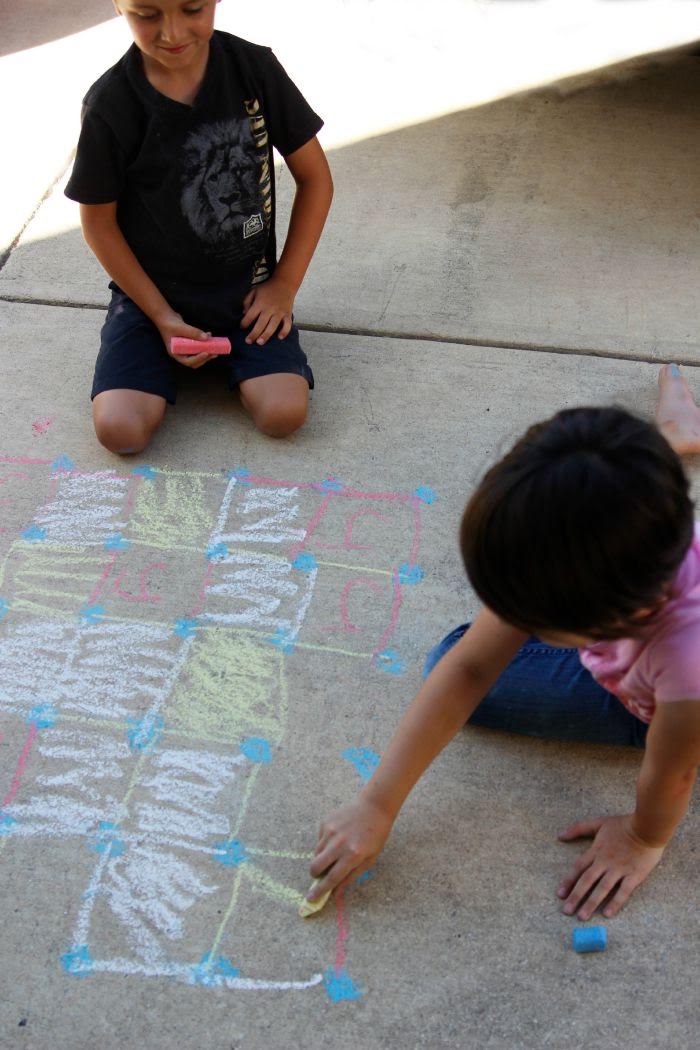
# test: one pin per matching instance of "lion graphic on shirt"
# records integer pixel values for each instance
(221, 192)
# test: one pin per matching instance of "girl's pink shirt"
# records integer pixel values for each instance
(663, 664)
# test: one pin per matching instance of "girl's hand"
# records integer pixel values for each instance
(349, 842)
(173, 325)
(268, 306)
(614, 865)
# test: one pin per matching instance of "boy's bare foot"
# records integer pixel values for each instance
(677, 415)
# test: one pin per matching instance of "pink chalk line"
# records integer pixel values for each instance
(394, 617)
(106, 573)
(21, 763)
(203, 590)
(343, 931)
(311, 527)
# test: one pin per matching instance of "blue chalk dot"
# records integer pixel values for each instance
(330, 484)
(44, 715)
(77, 961)
(363, 759)
(389, 661)
(211, 972)
(425, 494)
(106, 841)
(339, 985)
(365, 876)
(117, 542)
(185, 628)
(63, 463)
(305, 562)
(33, 534)
(145, 733)
(231, 853)
(216, 550)
(410, 573)
(91, 614)
(589, 938)
(7, 823)
(257, 749)
(241, 475)
(282, 640)
(146, 471)
(4, 608)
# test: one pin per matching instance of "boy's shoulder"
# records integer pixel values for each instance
(112, 88)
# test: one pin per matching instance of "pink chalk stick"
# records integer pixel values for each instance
(217, 345)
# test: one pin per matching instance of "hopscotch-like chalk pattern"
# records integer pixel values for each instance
(143, 702)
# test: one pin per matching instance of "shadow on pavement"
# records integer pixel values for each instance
(41, 21)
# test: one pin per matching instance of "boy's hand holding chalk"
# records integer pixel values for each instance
(182, 347)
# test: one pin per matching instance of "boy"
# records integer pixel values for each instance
(175, 179)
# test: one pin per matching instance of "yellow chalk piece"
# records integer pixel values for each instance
(307, 908)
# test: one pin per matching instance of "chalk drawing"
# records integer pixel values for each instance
(148, 706)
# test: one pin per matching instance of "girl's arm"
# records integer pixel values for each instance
(353, 836)
(103, 235)
(268, 306)
(626, 848)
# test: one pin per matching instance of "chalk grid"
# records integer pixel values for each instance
(143, 711)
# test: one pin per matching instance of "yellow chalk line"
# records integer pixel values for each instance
(41, 592)
(271, 886)
(281, 853)
(227, 914)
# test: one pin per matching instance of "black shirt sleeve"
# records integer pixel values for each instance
(99, 170)
(291, 121)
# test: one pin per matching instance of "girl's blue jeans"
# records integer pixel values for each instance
(546, 692)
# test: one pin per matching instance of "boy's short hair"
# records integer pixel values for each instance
(581, 526)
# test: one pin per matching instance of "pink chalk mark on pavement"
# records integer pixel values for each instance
(203, 590)
(144, 595)
(343, 931)
(310, 528)
(393, 618)
(21, 763)
(41, 426)
(348, 545)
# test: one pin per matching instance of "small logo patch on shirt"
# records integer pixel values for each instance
(253, 226)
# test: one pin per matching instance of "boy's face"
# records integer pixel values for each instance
(173, 33)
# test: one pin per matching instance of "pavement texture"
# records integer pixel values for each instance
(205, 648)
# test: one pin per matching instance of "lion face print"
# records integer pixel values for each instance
(221, 187)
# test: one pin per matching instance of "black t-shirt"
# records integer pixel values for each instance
(194, 185)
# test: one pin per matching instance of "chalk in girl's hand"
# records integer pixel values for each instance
(589, 938)
(307, 908)
(216, 345)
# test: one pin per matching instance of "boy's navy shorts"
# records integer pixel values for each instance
(133, 356)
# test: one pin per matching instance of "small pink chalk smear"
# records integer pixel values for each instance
(41, 426)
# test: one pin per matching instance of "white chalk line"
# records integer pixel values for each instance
(184, 972)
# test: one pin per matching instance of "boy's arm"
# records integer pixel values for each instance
(103, 235)
(353, 836)
(626, 848)
(268, 306)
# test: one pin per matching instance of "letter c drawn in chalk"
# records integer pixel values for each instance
(143, 595)
(346, 624)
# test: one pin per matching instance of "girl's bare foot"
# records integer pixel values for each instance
(677, 415)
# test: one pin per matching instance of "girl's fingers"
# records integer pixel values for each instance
(583, 887)
(583, 829)
(334, 877)
(579, 866)
(603, 890)
(623, 894)
(323, 860)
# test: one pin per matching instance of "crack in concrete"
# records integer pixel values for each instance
(422, 337)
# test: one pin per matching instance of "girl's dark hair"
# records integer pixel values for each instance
(581, 526)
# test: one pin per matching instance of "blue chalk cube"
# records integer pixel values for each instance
(589, 938)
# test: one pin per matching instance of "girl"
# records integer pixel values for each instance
(584, 536)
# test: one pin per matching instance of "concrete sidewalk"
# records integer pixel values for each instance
(206, 648)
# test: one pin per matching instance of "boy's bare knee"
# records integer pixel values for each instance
(279, 420)
(123, 436)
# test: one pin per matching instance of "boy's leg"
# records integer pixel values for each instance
(546, 692)
(125, 420)
(677, 415)
(277, 403)
(134, 378)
